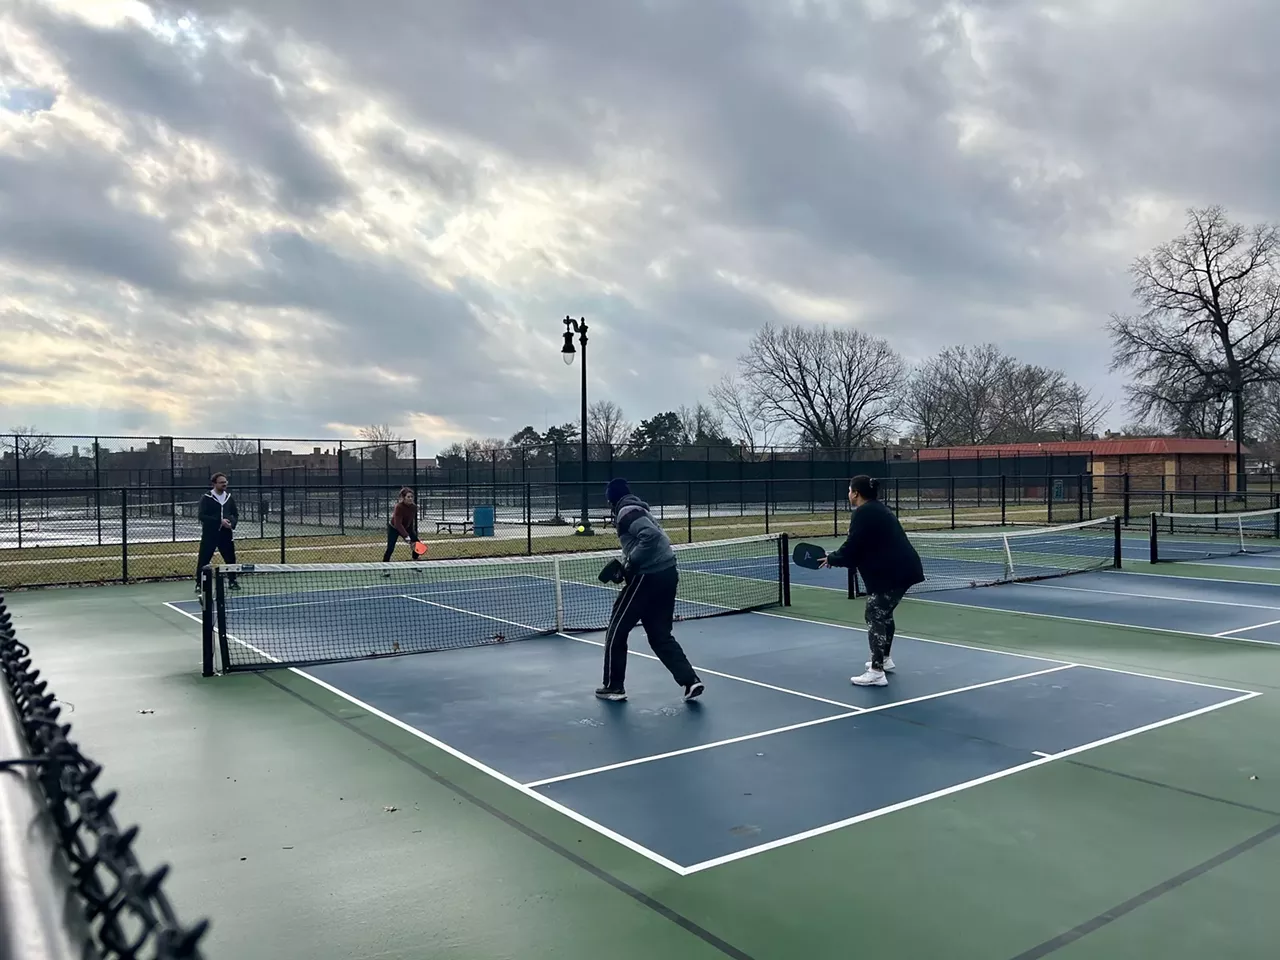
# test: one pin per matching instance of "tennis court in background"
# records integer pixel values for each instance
(1017, 781)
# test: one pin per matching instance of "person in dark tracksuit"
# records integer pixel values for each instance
(648, 596)
(218, 517)
(878, 548)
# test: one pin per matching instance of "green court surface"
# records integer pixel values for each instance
(304, 826)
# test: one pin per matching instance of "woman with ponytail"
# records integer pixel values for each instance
(878, 548)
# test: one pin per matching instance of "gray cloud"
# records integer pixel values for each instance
(410, 197)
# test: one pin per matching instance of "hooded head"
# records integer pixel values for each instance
(617, 489)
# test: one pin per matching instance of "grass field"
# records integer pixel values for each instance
(93, 563)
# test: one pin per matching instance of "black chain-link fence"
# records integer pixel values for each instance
(71, 885)
(78, 536)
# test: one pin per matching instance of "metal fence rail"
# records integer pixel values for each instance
(71, 887)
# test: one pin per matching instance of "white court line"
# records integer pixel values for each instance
(1026, 656)
(1098, 623)
(795, 726)
(1256, 626)
(1154, 596)
(947, 791)
(473, 762)
(650, 656)
(1040, 753)
(1177, 576)
(533, 784)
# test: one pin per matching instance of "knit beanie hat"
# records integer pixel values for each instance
(616, 490)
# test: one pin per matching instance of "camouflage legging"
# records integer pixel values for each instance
(879, 616)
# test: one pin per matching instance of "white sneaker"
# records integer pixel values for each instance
(872, 678)
(888, 665)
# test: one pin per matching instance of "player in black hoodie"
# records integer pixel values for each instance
(889, 565)
(218, 516)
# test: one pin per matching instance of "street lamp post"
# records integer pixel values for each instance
(567, 352)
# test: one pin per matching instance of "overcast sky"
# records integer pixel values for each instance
(297, 217)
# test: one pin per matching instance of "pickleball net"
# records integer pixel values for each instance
(257, 616)
(954, 561)
(1205, 536)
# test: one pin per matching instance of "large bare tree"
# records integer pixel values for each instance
(972, 381)
(1082, 413)
(833, 388)
(29, 442)
(742, 414)
(1208, 329)
(1033, 401)
(607, 428)
(234, 446)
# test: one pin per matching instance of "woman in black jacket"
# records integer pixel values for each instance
(878, 548)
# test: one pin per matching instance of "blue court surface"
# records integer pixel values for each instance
(1241, 611)
(1244, 611)
(781, 747)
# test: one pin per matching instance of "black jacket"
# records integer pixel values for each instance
(878, 547)
(212, 513)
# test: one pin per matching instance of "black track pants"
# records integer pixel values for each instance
(648, 599)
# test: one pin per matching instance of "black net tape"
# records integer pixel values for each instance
(127, 913)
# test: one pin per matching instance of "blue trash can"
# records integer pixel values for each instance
(482, 521)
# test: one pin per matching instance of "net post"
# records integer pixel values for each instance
(206, 621)
(528, 519)
(1008, 558)
(1119, 543)
(1152, 537)
(784, 570)
(835, 508)
(853, 583)
(559, 596)
(688, 499)
(124, 534)
(220, 604)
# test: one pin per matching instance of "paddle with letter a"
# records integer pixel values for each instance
(808, 555)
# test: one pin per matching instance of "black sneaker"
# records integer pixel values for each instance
(611, 693)
(694, 690)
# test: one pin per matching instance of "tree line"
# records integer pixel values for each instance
(1201, 355)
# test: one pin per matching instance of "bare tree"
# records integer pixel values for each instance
(1209, 326)
(234, 446)
(925, 403)
(379, 433)
(1081, 413)
(833, 388)
(972, 381)
(701, 425)
(1032, 401)
(742, 413)
(30, 443)
(607, 428)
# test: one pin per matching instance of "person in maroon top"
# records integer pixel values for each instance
(403, 523)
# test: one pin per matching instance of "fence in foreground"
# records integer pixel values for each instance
(71, 887)
(61, 536)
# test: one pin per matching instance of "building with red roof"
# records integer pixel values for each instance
(1159, 463)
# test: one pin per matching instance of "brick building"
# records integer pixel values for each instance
(1152, 463)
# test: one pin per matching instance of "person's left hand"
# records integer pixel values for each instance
(227, 524)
